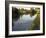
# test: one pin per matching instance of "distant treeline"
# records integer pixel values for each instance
(17, 12)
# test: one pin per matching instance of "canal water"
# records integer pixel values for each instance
(23, 23)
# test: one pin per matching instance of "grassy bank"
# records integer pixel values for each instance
(36, 23)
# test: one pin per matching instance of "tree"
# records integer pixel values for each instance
(15, 13)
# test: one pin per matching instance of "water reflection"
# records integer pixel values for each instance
(23, 23)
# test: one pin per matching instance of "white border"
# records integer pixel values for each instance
(25, 32)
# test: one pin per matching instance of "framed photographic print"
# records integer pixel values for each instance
(24, 18)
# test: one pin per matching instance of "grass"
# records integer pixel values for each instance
(36, 23)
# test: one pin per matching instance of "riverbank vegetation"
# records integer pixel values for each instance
(35, 24)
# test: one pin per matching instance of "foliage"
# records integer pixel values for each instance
(25, 11)
(36, 23)
(17, 12)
